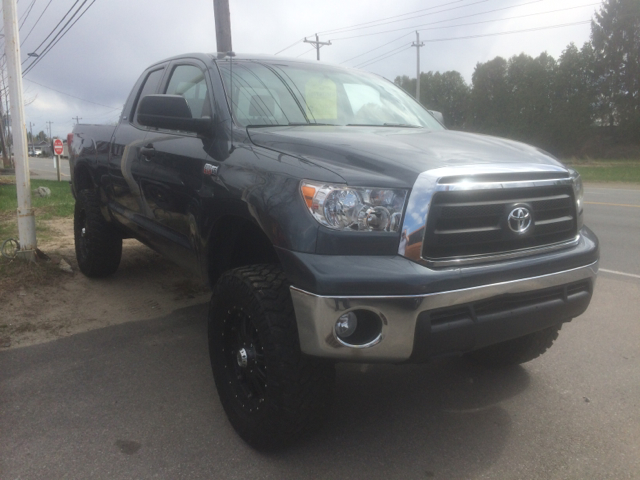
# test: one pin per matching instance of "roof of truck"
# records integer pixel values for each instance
(207, 57)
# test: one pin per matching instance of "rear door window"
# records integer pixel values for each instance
(149, 87)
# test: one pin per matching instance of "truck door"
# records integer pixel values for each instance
(172, 182)
(125, 165)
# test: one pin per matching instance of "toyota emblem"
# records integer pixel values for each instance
(519, 220)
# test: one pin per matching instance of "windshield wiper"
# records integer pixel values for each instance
(401, 125)
(302, 124)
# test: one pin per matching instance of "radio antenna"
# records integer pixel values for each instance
(231, 55)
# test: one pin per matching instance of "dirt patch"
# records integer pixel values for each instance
(42, 303)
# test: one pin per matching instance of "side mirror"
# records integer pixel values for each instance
(170, 112)
(437, 115)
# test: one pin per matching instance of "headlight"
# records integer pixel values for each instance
(578, 191)
(357, 209)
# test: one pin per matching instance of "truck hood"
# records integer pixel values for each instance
(391, 156)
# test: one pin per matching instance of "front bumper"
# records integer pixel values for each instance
(418, 327)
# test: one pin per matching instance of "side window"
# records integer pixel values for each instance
(149, 87)
(189, 81)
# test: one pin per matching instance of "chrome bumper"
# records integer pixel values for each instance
(316, 315)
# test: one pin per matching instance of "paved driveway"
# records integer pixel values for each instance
(137, 401)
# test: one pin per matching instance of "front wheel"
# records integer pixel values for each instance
(98, 243)
(516, 351)
(271, 392)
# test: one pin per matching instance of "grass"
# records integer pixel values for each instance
(59, 204)
(627, 171)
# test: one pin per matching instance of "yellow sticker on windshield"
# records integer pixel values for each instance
(321, 95)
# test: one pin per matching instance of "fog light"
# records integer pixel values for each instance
(346, 325)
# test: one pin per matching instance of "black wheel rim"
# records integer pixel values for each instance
(82, 239)
(244, 360)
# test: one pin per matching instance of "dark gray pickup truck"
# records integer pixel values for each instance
(336, 220)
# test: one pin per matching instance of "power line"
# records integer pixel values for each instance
(72, 96)
(53, 40)
(351, 27)
(414, 27)
(305, 52)
(51, 45)
(469, 24)
(56, 27)
(290, 46)
(418, 16)
(386, 55)
(376, 48)
(365, 64)
(27, 14)
(367, 23)
(391, 54)
(34, 25)
(535, 29)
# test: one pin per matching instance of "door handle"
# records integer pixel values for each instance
(148, 152)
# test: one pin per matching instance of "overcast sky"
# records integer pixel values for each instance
(101, 57)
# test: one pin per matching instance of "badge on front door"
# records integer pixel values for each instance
(210, 169)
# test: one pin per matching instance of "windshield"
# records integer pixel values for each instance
(265, 94)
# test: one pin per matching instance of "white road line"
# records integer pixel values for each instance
(619, 273)
(48, 171)
(593, 190)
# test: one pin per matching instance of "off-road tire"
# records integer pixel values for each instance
(516, 351)
(281, 394)
(98, 243)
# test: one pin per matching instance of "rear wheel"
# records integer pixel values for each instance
(272, 392)
(516, 351)
(98, 243)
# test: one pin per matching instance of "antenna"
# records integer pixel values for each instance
(231, 55)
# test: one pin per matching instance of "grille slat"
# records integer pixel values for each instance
(475, 222)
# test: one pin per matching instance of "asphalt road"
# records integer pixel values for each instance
(43, 169)
(614, 215)
(137, 401)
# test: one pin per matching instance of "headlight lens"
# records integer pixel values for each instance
(578, 191)
(357, 209)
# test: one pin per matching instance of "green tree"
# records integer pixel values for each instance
(615, 36)
(489, 100)
(574, 99)
(529, 83)
(446, 92)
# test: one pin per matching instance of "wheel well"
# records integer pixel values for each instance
(237, 242)
(82, 179)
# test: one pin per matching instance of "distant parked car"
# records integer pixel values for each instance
(37, 151)
(32, 152)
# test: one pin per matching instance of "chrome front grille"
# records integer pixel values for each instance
(469, 214)
(475, 222)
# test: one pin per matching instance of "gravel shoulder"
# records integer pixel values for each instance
(56, 305)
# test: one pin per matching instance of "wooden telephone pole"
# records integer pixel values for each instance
(317, 45)
(418, 44)
(223, 25)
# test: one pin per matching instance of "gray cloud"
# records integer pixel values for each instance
(105, 52)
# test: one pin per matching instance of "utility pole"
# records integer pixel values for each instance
(49, 128)
(26, 219)
(418, 44)
(223, 25)
(31, 131)
(317, 45)
(77, 119)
